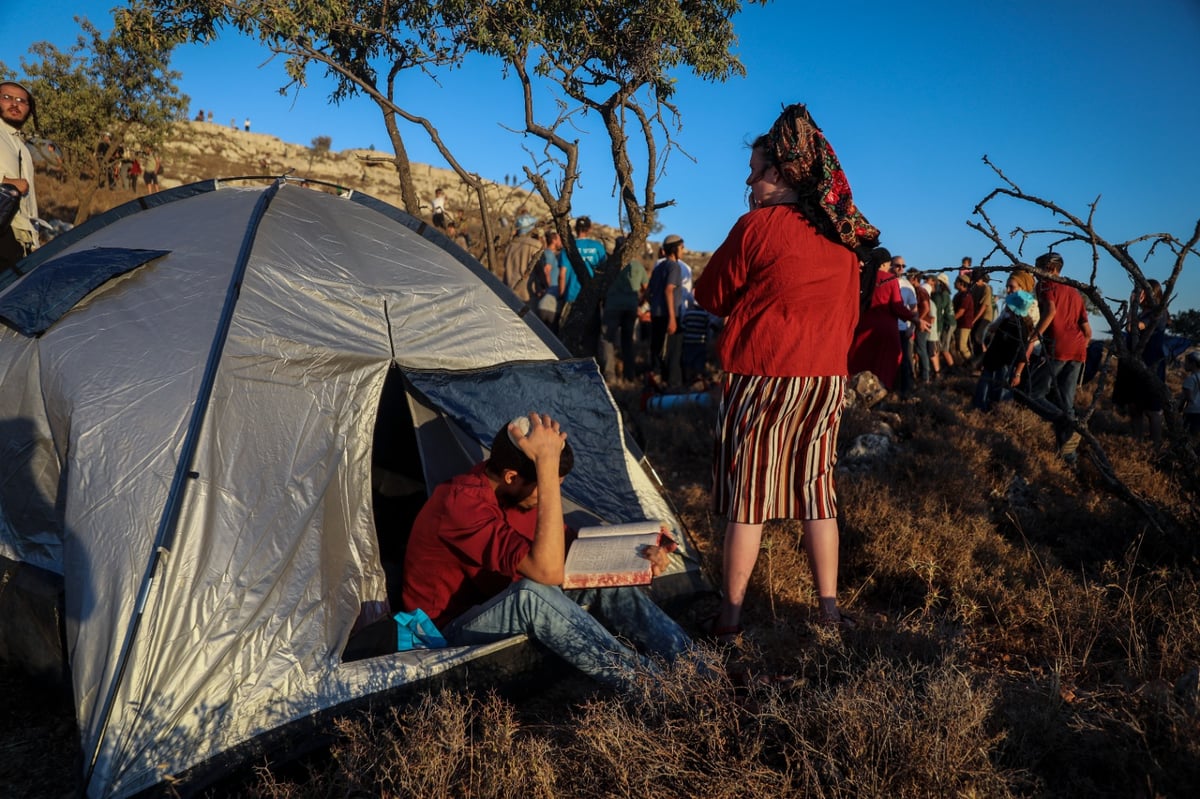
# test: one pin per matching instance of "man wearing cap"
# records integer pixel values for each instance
(543, 291)
(524, 252)
(16, 169)
(485, 561)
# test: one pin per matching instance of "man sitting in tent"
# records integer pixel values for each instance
(485, 561)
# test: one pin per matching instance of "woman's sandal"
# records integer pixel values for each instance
(725, 636)
(836, 622)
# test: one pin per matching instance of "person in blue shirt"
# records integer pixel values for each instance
(591, 251)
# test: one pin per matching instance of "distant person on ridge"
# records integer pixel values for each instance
(439, 207)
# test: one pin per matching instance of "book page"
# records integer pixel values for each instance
(609, 560)
(629, 528)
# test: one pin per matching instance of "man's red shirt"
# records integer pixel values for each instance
(464, 548)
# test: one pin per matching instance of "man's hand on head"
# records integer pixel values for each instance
(541, 439)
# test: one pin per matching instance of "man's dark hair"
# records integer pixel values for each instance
(583, 223)
(673, 248)
(507, 455)
(1050, 261)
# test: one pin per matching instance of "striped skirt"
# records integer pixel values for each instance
(776, 447)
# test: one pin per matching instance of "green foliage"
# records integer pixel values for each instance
(618, 45)
(617, 59)
(1187, 324)
(120, 84)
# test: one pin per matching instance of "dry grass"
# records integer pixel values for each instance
(1024, 633)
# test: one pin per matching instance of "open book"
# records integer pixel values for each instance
(610, 555)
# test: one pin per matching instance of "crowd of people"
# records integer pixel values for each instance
(127, 168)
(651, 326)
(784, 302)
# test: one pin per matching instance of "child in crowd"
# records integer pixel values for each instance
(697, 326)
(1004, 361)
(1190, 400)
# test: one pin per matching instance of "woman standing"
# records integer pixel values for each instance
(787, 280)
(1148, 322)
(877, 347)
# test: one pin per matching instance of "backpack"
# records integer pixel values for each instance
(537, 284)
(10, 203)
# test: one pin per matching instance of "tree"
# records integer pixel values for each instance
(615, 60)
(364, 46)
(118, 85)
(611, 59)
(1186, 324)
(320, 145)
(1074, 229)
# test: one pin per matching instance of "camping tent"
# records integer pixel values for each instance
(189, 388)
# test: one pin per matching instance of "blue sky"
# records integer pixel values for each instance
(1073, 99)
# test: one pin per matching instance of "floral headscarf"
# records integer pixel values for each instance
(807, 161)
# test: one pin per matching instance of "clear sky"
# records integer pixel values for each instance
(1073, 99)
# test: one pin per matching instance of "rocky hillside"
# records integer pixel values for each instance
(202, 150)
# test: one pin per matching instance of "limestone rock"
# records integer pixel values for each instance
(866, 389)
(867, 451)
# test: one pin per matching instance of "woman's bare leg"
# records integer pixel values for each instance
(742, 542)
(821, 545)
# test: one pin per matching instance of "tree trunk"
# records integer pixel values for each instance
(408, 192)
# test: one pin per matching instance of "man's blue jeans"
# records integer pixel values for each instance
(557, 619)
(921, 344)
(1052, 395)
(993, 387)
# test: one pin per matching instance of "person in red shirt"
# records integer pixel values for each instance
(485, 561)
(877, 347)
(1065, 331)
(964, 315)
(786, 279)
